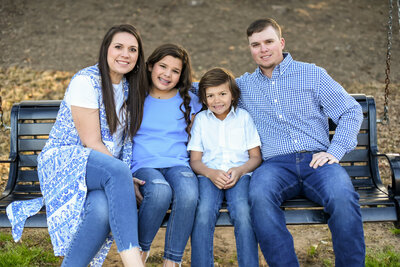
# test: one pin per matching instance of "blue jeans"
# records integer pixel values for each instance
(177, 185)
(206, 217)
(110, 205)
(282, 178)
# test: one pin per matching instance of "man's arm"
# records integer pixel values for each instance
(344, 111)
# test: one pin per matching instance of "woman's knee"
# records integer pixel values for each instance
(97, 206)
(101, 165)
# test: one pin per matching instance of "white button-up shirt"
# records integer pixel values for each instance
(224, 143)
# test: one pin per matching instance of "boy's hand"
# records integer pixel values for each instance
(219, 178)
(235, 174)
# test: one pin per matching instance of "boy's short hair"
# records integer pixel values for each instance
(215, 77)
(260, 24)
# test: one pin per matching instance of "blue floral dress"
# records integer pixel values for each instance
(62, 174)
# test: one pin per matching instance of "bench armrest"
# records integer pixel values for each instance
(12, 176)
(394, 162)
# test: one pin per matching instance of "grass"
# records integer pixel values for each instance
(395, 231)
(24, 254)
(387, 257)
(312, 251)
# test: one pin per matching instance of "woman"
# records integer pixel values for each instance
(84, 167)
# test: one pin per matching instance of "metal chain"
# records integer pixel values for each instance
(3, 127)
(385, 118)
(398, 12)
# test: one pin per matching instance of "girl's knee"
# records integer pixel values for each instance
(158, 190)
(186, 199)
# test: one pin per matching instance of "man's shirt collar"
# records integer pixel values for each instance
(281, 68)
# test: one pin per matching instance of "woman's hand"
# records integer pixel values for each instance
(137, 183)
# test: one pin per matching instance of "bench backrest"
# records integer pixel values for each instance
(31, 122)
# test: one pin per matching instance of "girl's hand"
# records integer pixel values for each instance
(137, 183)
(219, 178)
(235, 173)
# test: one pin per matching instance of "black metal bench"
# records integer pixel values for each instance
(31, 122)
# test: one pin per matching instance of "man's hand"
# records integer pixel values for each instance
(319, 159)
(137, 183)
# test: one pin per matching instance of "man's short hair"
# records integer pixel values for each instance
(260, 24)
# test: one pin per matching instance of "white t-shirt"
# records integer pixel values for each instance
(225, 143)
(81, 93)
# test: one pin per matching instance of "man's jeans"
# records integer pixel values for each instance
(110, 205)
(284, 177)
(206, 216)
(177, 185)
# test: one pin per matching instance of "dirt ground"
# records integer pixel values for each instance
(348, 38)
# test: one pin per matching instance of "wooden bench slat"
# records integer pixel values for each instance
(27, 160)
(358, 155)
(364, 124)
(28, 176)
(26, 188)
(363, 139)
(358, 170)
(32, 129)
(38, 113)
(31, 144)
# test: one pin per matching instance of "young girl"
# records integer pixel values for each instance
(225, 148)
(160, 157)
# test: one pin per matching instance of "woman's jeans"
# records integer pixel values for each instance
(284, 177)
(165, 185)
(110, 205)
(206, 217)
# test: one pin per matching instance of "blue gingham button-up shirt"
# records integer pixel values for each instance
(291, 109)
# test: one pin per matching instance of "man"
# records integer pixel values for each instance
(290, 103)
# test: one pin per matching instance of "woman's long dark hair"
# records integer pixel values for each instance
(185, 80)
(136, 79)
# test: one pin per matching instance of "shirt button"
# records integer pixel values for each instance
(275, 100)
(295, 141)
(280, 116)
(273, 82)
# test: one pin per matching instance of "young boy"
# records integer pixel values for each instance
(224, 150)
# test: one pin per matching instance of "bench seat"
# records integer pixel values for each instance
(31, 122)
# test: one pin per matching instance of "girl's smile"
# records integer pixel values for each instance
(165, 75)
